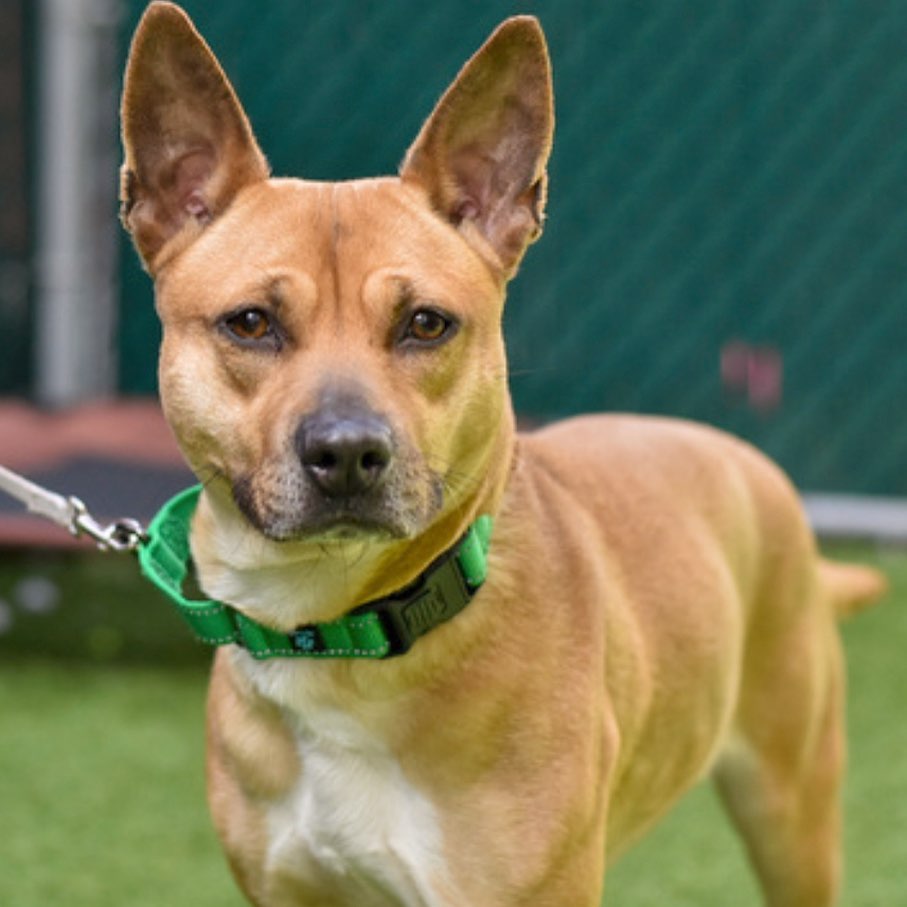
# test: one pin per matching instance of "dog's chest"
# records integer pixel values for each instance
(353, 828)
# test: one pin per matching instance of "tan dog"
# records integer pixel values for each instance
(655, 609)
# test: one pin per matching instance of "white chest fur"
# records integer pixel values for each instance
(353, 826)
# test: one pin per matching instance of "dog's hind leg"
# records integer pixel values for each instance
(780, 778)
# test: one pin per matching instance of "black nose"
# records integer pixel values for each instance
(345, 455)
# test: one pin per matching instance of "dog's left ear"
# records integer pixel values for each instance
(482, 153)
(188, 145)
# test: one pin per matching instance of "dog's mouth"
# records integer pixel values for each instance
(339, 528)
(289, 511)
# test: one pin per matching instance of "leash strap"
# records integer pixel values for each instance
(70, 513)
(377, 629)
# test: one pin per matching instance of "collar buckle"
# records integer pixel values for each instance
(438, 595)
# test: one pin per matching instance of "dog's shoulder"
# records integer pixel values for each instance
(629, 447)
(624, 467)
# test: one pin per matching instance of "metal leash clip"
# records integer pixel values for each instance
(72, 514)
(121, 535)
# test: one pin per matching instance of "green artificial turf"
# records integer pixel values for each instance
(102, 791)
(101, 757)
(101, 742)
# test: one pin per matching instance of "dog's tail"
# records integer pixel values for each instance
(851, 587)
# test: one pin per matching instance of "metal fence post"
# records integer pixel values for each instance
(76, 268)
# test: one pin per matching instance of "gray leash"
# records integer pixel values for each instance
(71, 514)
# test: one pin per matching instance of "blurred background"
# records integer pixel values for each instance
(727, 210)
(725, 242)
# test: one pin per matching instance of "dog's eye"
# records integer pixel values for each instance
(428, 326)
(250, 325)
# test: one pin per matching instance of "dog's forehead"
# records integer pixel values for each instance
(328, 231)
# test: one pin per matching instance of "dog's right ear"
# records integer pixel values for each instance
(188, 145)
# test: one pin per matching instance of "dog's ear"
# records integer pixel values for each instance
(481, 155)
(188, 145)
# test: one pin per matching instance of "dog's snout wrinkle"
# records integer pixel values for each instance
(345, 455)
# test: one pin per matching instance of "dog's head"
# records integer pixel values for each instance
(332, 361)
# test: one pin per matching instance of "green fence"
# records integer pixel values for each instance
(15, 183)
(728, 205)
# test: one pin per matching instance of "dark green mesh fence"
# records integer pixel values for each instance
(728, 206)
(16, 154)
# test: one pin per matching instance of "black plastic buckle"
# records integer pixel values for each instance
(438, 595)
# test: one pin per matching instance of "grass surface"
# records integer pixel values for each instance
(102, 793)
(101, 762)
(101, 743)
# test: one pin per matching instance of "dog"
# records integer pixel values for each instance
(653, 608)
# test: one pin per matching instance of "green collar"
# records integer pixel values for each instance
(377, 629)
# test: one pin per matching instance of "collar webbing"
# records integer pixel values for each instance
(377, 629)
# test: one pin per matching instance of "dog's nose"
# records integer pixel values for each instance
(344, 455)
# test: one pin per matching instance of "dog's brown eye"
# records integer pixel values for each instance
(428, 326)
(249, 324)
